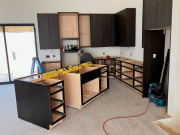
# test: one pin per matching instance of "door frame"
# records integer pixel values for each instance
(5, 43)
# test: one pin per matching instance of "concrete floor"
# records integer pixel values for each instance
(119, 100)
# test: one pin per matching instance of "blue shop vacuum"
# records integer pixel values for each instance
(156, 94)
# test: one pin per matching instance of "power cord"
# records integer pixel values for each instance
(125, 117)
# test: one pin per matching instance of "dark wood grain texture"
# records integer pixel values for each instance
(152, 67)
(48, 31)
(125, 24)
(96, 30)
(33, 103)
(108, 24)
(157, 14)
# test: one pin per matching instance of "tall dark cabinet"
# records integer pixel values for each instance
(126, 27)
(102, 30)
(48, 31)
(156, 17)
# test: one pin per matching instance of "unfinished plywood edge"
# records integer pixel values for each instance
(52, 126)
(165, 129)
(164, 28)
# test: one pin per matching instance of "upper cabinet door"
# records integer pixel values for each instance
(157, 14)
(48, 31)
(125, 27)
(108, 24)
(96, 30)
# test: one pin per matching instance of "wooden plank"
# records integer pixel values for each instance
(166, 129)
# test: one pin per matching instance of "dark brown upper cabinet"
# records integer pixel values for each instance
(157, 14)
(96, 30)
(102, 30)
(108, 29)
(48, 31)
(125, 24)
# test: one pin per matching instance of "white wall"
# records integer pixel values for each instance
(174, 76)
(137, 51)
(22, 11)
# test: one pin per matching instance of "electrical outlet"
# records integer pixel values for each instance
(53, 55)
(121, 52)
(47, 56)
(154, 55)
(131, 54)
(103, 53)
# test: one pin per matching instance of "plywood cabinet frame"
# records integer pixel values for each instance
(103, 62)
(119, 74)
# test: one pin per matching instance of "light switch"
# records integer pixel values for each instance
(154, 55)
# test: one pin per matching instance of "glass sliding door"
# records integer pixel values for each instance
(4, 75)
(21, 49)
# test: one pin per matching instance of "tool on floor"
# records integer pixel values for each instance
(156, 94)
(38, 63)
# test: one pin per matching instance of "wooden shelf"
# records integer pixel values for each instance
(56, 116)
(86, 98)
(54, 89)
(111, 66)
(55, 104)
(111, 73)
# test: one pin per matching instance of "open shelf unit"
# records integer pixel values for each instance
(109, 62)
(129, 73)
(69, 31)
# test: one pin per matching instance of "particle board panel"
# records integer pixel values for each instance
(166, 129)
(130, 74)
(140, 88)
(93, 85)
(55, 104)
(103, 81)
(126, 69)
(68, 25)
(56, 116)
(50, 65)
(58, 95)
(85, 33)
(138, 74)
(129, 81)
(72, 89)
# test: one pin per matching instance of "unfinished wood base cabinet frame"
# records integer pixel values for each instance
(130, 74)
(95, 77)
(109, 62)
(40, 102)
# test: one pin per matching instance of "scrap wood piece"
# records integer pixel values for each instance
(164, 128)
